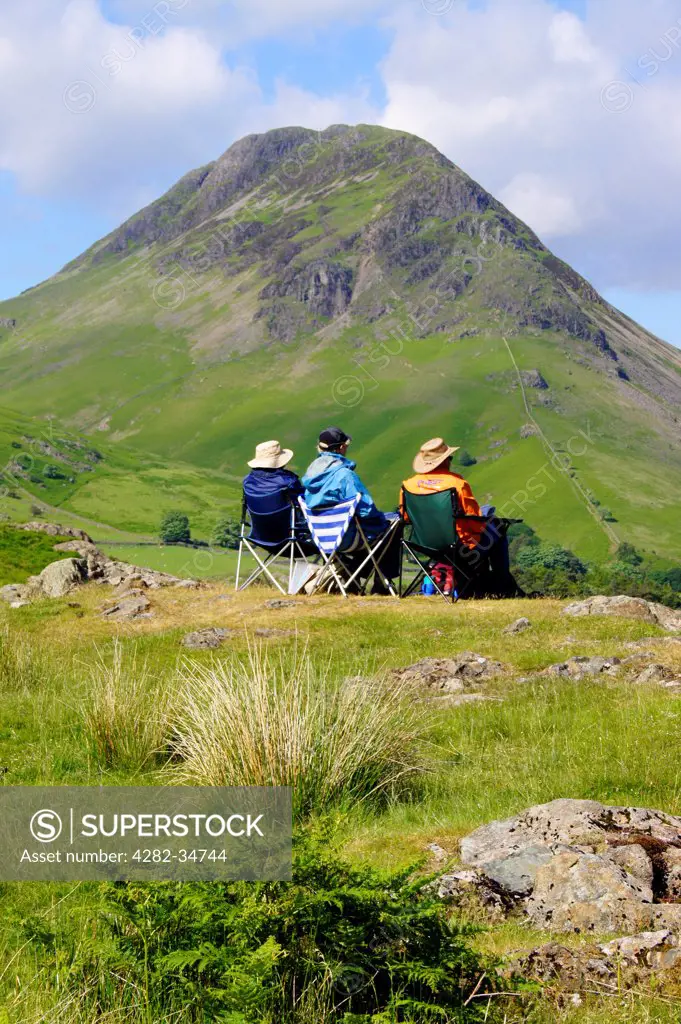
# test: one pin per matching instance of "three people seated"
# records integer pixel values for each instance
(331, 478)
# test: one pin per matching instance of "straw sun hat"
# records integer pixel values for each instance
(432, 454)
(270, 455)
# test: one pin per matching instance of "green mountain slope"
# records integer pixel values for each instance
(355, 276)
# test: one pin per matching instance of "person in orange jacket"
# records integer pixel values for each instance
(433, 474)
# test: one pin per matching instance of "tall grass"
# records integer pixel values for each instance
(125, 713)
(260, 721)
(23, 666)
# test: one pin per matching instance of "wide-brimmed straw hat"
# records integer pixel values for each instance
(432, 454)
(270, 455)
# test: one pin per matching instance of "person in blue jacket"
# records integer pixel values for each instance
(331, 478)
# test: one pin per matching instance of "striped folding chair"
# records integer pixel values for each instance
(328, 528)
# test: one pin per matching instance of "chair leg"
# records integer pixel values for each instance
(238, 561)
(263, 567)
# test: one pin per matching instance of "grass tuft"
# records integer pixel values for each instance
(126, 710)
(260, 721)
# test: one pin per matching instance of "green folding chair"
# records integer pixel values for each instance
(432, 537)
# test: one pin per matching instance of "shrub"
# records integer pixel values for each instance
(125, 712)
(37, 511)
(175, 528)
(337, 945)
(263, 722)
(52, 473)
(520, 535)
(227, 532)
(628, 554)
(668, 577)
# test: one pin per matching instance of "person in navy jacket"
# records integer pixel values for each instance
(269, 474)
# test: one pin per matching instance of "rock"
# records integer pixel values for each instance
(581, 666)
(633, 859)
(438, 853)
(567, 822)
(623, 963)
(633, 947)
(7, 323)
(470, 889)
(519, 626)
(13, 592)
(516, 873)
(627, 607)
(188, 584)
(206, 639)
(55, 530)
(655, 674)
(450, 674)
(583, 892)
(671, 863)
(277, 603)
(571, 970)
(132, 607)
(533, 379)
(585, 866)
(59, 578)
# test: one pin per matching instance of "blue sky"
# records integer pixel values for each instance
(569, 112)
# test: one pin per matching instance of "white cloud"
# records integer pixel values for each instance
(115, 113)
(237, 21)
(535, 200)
(540, 107)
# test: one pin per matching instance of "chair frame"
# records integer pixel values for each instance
(342, 574)
(287, 551)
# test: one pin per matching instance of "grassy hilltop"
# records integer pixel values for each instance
(353, 276)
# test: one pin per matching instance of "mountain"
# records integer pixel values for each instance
(355, 276)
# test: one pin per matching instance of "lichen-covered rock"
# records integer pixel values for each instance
(206, 639)
(627, 607)
(583, 892)
(133, 606)
(581, 666)
(519, 626)
(450, 674)
(568, 822)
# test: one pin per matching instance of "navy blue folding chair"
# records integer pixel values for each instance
(274, 537)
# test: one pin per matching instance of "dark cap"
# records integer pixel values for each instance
(333, 437)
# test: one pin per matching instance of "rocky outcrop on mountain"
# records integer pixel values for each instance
(627, 607)
(321, 289)
(55, 530)
(7, 323)
(582, 866)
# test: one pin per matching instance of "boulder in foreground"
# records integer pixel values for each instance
(582, 866)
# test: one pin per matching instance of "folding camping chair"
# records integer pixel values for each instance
(329, 528)
(434, 538)
(273, 529)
